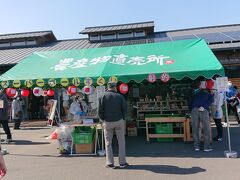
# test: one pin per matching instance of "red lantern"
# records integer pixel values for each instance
(44, 93)
(87, 89)
(25, 93)
(123, 88)
(72, 90)
(209, 84)
(50, 92)
(11, 92)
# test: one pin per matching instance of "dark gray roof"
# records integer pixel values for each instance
(227, 37)
(119, 27)
(26, 35)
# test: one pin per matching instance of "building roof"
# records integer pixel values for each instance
(217, 37)
(119, 27)
(26, 35)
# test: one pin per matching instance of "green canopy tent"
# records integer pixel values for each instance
(185, 58)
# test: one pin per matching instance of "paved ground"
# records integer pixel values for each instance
(33, 157)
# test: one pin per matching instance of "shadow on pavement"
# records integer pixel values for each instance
(167, 169)
(26, 142)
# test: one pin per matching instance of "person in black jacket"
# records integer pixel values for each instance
(112, 110)
(4, 116)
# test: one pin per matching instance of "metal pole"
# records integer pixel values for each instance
(226, 109)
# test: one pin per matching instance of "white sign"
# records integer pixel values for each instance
(222, 84)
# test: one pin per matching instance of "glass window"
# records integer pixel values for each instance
(4, 44)
(18, 43)
(108, 36)
(139, 33)
(31, 42)
(94, 37)
(125, 35)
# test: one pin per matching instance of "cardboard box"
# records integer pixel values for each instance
(132, 131)
(84, 148)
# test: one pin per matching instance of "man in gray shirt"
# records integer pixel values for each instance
(112, 110)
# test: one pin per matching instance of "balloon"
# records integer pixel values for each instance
(44, 93)
(11, 92)
(25, 92)
(50, 92)
(72, 90)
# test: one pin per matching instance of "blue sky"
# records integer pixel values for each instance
(66, 18)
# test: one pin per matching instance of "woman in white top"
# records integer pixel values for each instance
(78, 108)
(217, 113)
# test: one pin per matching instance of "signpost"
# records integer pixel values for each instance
(222, 86)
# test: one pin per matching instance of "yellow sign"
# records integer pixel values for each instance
(88, 81)
(4, 84)
(40, 82)
(100, 81)
(16, 83)
(28, 83)
(64, 82)
(113, 79)
(52, 82)
(76, 81)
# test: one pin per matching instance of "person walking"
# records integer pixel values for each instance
(4, 116)
(112, 109)
(16, 112)
(200, 114)
(217, 113)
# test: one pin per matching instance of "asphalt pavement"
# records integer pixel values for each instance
(33, 157)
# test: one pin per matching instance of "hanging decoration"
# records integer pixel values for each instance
(52, 82)
(165, 77)
(4, 84)
(11, 92)
(50, 92)
(44, 93)
(28, 83)
(113, 79)
(72, 90)
(37, 91)
(101, 81)
(64, 82)
(76, 81)
(151, 78)
(123, 88)
(202, 85)
(40, 82)
(87, 89)
(16, 83)
(209, 84)
(88, 81)
(25, 92)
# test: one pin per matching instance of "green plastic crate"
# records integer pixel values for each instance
(164, 128)
(82, 138)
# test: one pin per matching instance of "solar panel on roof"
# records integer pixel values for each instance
(214, 37)
(183, 37)
(233, 34)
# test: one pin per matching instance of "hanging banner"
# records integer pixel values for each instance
(165, 77)
(52, 82)
(151, 78)
(4, 84)
(28, 83)
(64, 82)
(40, 82)
(113, 79)
(16, 83)
(88, 81)
(76, 81)
(101, 81)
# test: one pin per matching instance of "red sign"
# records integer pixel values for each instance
(169, 61)
(165, 77)
(123, 88)
(152, 78)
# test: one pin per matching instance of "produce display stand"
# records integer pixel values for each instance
(97, 127)
(184, 135)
